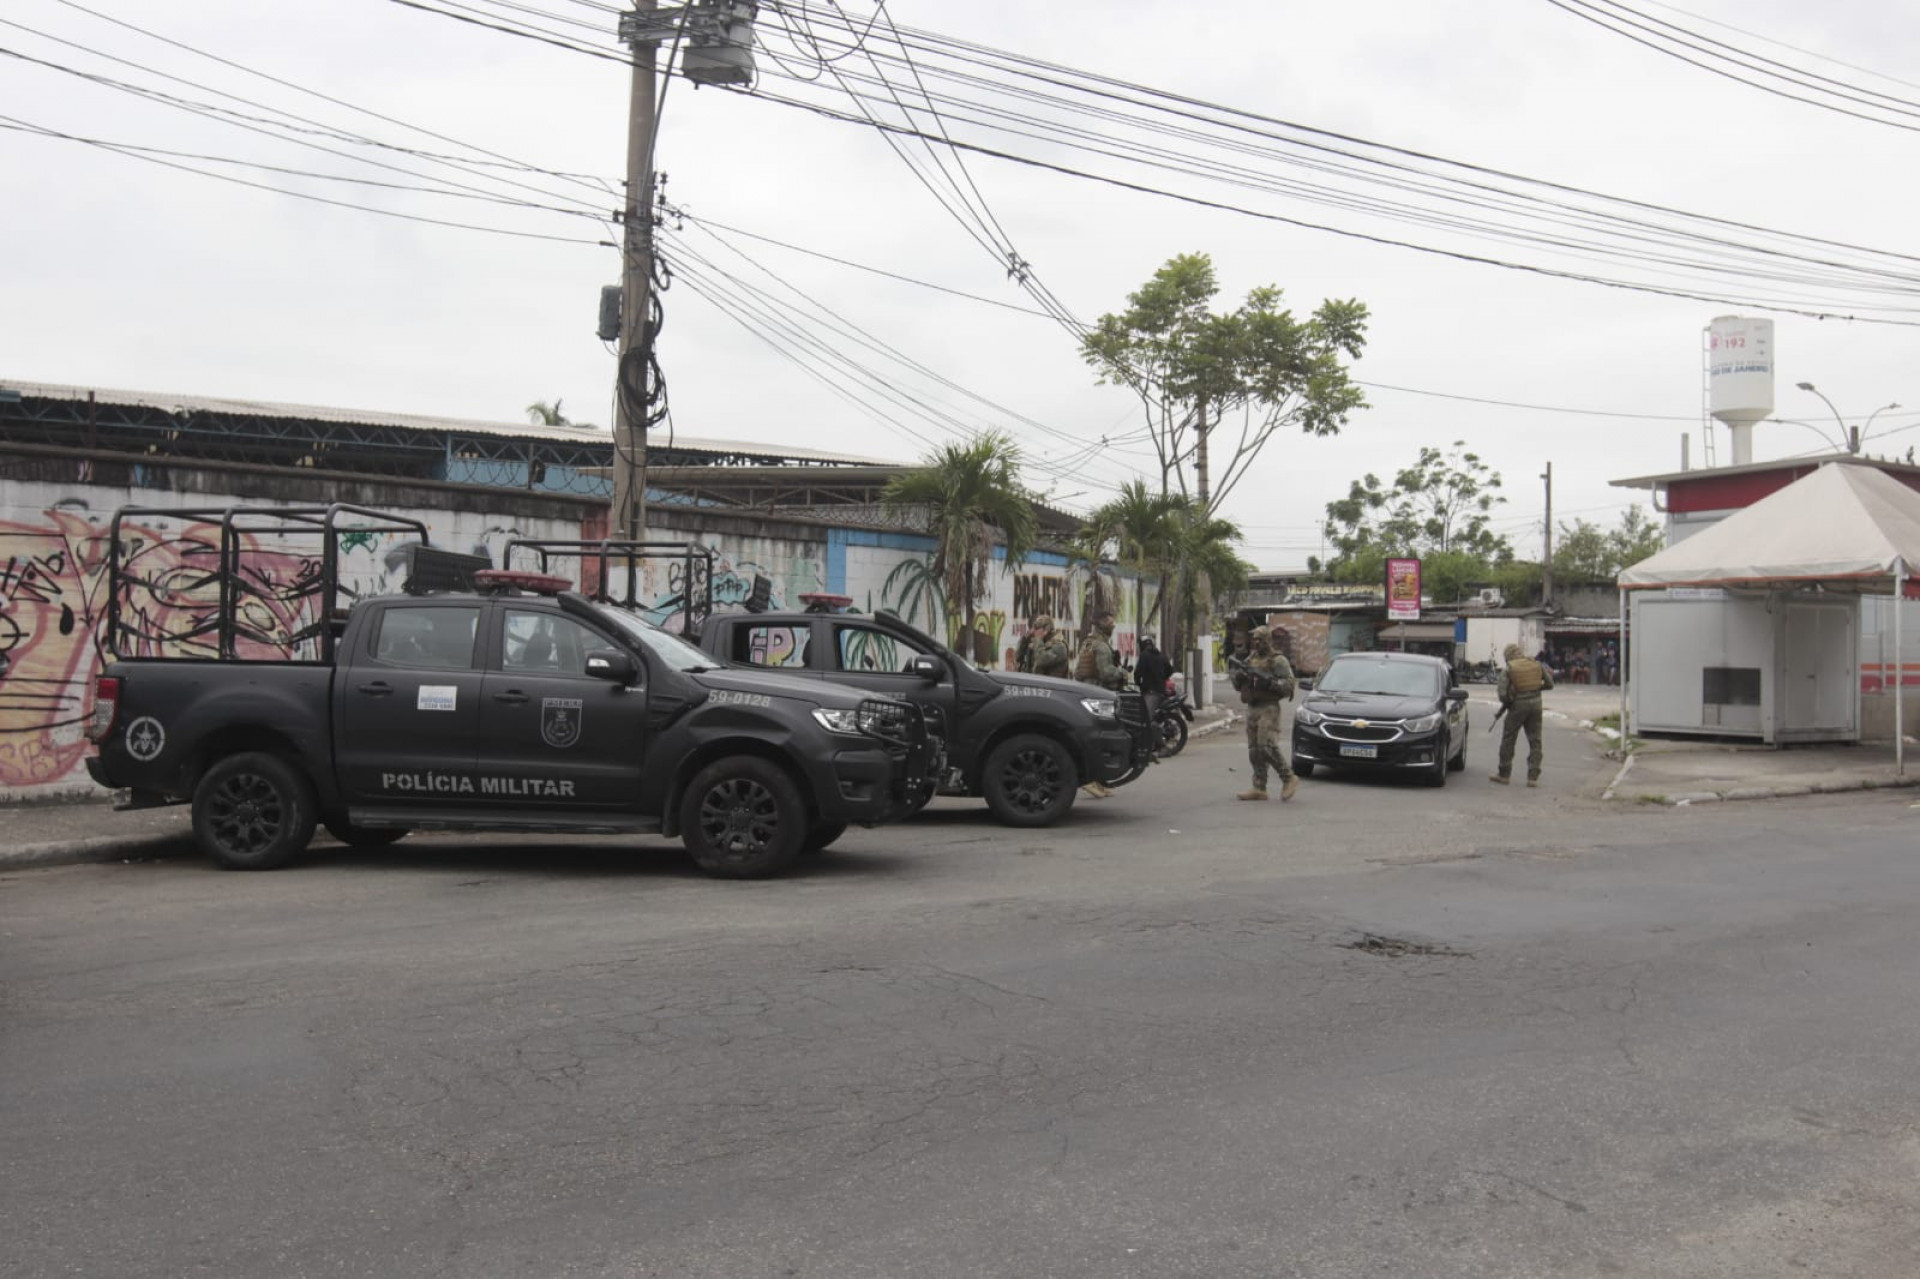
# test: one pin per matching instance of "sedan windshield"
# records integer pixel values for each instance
(671, 649)
(1370, 675)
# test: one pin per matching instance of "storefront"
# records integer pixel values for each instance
(1584, 650)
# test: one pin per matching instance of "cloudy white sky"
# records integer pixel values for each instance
(122, 273)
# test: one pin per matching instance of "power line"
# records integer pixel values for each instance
(314, 93)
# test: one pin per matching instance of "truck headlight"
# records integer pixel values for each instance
(1305, 716)
(1424, 724)
(837, 721)
(1100, 707)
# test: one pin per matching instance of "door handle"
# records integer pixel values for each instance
(379, 688)
(512, 697)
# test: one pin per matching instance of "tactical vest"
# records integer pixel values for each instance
(1525, 676)
(1087, 668)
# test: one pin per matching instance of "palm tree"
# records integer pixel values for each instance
(1202, 560)
(1139, 525)
(541, 413)
(964, 494)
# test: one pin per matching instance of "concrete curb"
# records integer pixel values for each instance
(91, 848)
(1213, 726)
(1784, 791)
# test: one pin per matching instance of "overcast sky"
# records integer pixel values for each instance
(122, 273)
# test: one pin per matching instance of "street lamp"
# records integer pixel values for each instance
(1848, 441)
(1868, 428)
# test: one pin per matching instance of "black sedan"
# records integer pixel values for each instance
(1390, 712)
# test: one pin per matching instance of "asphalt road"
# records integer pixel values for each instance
(1382, 1030)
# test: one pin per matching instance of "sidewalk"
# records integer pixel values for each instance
(1701, 770)
(61, 832)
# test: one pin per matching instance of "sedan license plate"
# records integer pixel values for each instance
(1361, 752)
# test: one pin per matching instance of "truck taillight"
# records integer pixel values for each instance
(106, 707)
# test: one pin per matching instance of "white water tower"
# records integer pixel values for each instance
(1740, 377)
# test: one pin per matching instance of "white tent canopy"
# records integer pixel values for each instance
(1847, 526)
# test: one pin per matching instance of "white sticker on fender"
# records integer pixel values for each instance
(146, 738)
(438, 697)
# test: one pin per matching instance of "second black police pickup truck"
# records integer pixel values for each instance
(516, 706)
(1023, 742)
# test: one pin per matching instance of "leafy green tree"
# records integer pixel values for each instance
(1585, 552)
(967, 496)
(1519, 581)
(1637, 538)
(1192, 368)
(1443, 502)
(1581, 553)
(1439, 509)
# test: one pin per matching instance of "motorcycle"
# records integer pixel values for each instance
(1170, 721)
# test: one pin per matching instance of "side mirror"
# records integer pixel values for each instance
(925, 667)
(1456, 694)
(612, 664)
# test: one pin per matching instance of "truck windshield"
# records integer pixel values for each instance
(671, 649)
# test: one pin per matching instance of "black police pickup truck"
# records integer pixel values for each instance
(1023, 742)
(512, 705)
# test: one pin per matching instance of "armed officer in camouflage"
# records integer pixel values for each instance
(1043, 650)
(1521, 684)
(1098, 665)
(1264, 680)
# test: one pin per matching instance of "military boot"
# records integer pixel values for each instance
(1288, 787)
(1502, 778)
(1255, 792)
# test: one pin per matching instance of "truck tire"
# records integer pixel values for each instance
(743, 818)
(253, 811)
(1029, 780)
(364, 836)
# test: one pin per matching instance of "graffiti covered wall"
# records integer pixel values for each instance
(53, 562)
(53, 602)
(895, 571)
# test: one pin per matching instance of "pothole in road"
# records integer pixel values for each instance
(1400, 947)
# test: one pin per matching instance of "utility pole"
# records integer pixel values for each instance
(1546, 562)
(629, 514)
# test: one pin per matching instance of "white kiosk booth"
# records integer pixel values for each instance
(1752, 627)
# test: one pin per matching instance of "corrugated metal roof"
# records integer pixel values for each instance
(169, 402)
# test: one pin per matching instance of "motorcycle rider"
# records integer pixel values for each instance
(1151, 673)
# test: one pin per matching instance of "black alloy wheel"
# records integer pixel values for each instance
(1029, 780)
(1436, 773)
(742, 818)
(253, 811)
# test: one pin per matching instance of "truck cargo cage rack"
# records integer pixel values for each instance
(605, 563)
(217, 625)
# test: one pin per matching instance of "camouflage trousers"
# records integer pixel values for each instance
(1524, 714)
(1263, 744)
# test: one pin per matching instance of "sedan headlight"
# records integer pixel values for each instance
(1306, 716)
(1100, 707)
(839, 721)
(1424, 724)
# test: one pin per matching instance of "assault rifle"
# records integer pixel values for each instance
(1261, 679)
(1504, 708)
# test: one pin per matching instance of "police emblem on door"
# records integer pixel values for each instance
(560, 721)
